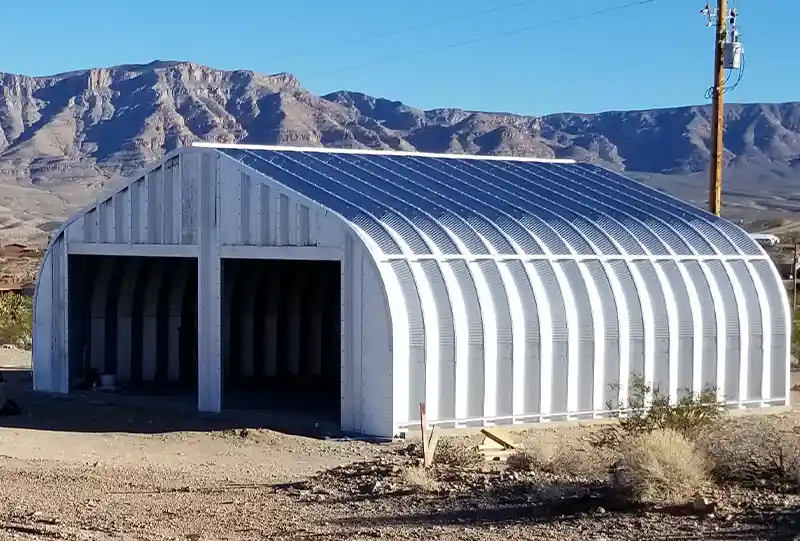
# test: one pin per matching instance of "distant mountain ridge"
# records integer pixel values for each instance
(83, 127)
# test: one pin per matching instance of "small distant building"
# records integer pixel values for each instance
(766, 240)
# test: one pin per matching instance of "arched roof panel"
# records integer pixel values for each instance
(476, 207)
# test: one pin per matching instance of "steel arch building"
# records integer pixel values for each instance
(496, 290)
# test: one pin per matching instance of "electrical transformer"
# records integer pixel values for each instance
(732, 55)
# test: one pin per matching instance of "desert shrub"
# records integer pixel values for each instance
(16, 320)
(795, 338)
(418, 479)
(567, 460)
(578, 461)
(754, 449)
(452, 452)
(413, 449)
(660, 467)
(525, 460)
(448, 452)
(692, 414)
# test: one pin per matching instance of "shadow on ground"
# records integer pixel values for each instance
(496, 498)
(99, 412)
(596, 513)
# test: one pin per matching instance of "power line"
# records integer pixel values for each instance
(431, 24)
(482, 38)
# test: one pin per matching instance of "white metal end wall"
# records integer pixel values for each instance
(159, 208)
(198, 203)
(160, 213)
(50, 322)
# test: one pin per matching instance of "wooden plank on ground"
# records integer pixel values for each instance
(499, 437)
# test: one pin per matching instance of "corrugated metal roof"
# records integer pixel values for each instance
(450, 205)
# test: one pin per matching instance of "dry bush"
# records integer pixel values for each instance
(418, 479)
(413, 449)
(691, 416)
(448, 452)
(451, 452)
(795, 349)
(578, 461)
(567, 460)
(754, 449)
(526, 460)
(660, 467)
(16, 320)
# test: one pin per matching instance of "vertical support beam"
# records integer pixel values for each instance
(60, 373)
(205, 172)
(347, 413)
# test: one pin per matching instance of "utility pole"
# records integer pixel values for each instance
(717, 114)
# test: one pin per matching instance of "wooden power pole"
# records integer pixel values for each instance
(717, 114)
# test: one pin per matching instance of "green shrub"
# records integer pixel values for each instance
(692, 414)
(16, 320)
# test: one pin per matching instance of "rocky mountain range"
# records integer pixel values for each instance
(65, 136)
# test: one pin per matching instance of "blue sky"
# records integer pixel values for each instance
(653, 55)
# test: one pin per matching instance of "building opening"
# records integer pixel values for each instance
(281, 337)
(133, 323)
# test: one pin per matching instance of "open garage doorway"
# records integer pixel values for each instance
(133, 318)
(281, 336)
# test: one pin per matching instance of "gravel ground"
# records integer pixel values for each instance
(122, 470)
